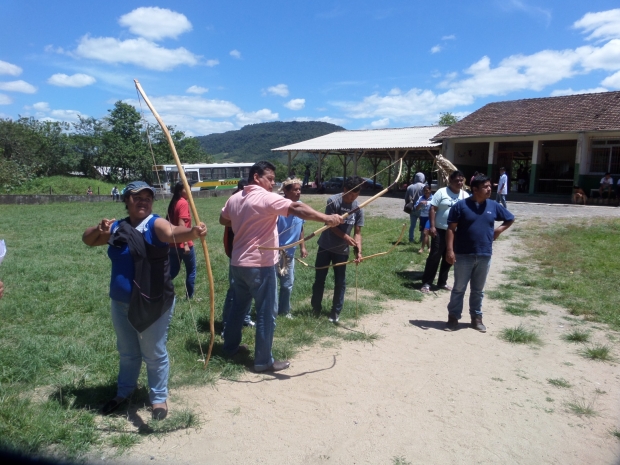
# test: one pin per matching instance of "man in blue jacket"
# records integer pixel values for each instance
(469, 246)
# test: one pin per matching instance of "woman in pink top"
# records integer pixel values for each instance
(178, 215)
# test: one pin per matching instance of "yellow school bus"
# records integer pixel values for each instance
(201, 176)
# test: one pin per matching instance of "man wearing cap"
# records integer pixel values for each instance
(253, 216)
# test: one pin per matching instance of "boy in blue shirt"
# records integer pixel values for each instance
(469, 246)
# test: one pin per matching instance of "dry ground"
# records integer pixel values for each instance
(417, 394)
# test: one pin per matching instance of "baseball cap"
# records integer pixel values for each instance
(136, 186)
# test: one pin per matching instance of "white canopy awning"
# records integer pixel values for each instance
(369, 139)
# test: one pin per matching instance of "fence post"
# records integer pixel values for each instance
(50, 190)
(98, 191)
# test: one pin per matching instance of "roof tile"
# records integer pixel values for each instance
(572, 113)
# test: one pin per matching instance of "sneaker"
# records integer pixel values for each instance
(334, 317)
(249, 324)
(452, 324)
(476, 323)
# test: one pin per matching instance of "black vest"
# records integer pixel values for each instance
(152, 291)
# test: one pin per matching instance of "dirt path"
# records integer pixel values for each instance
(418, 393)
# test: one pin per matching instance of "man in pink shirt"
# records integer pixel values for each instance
(253, 216)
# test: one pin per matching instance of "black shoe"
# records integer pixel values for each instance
(160, 413)
(111, 405)
(452, 324)
(316, 312)
(476, 323)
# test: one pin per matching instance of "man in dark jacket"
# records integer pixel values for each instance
(414, 191)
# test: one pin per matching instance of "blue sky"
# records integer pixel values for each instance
(216, 66)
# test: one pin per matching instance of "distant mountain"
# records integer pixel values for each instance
(255, 141)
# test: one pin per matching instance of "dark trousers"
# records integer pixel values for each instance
(437, 254)
(324, 258)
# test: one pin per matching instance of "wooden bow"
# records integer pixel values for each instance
(400, 238)
(196, 217)
(355, 210)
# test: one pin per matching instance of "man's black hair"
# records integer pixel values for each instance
(456, 174)
(240, 185)
(353, 183)
(259, 167)
(479, 181)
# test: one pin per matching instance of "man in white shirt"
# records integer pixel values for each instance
(502, 187)
(606, 185)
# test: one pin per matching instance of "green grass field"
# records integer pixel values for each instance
(57, 352)
(64, 185)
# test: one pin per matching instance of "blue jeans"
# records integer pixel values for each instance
(230, 301)
(178, 255)
(472, 269)
(324, 258)
(260, 284)
(501, 198)
(413, 217)
(133, 347)
(286, 287)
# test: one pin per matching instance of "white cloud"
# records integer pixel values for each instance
(75, 80)
(254, 117)
(51, 49)
(380, 123)
(280, 90)
(9, 68)
(235, 54)
(155, 23)
(197, 90)
(606, 57)
(295, 104)
(450, 37)
(561, 92)
(436, 49)
(212, 63)
(18, 86)
(195, 126)
(192, 106)
(534, 11)
(5, 99)
(329, 119)
(612, 81)
(603, 25)
(40, 106)
(139, 52)
(42, 111)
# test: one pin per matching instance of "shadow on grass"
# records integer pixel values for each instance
(411, 279)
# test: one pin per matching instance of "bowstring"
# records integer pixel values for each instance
(189, 301)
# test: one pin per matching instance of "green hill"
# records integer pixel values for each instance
(255, 141)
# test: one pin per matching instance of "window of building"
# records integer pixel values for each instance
(605, 156)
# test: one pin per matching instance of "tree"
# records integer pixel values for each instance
(124, 151)
(447, 119)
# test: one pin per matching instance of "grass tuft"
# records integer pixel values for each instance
(582, 407)
(400, 461)
(559, 382)
(520, 335)
(124, 441)
(615, 433)
(598, 352)
(522, 309)
(576, 336)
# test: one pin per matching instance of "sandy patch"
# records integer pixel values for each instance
(417, 392)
